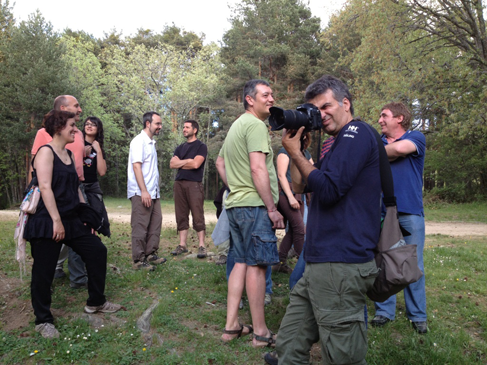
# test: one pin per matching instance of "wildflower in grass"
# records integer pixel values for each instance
(144, 349)
(172, 291)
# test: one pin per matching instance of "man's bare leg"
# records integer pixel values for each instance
(183, 237)
(201, 237)
(236, 283)
(255, 286)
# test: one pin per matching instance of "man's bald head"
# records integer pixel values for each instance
(68, 103)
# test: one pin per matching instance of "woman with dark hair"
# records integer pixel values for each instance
(94, 161)
(56, 221)
(291, 207)
(94, 164)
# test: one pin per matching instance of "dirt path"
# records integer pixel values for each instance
(446, 228)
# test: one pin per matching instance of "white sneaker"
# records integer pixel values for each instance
(105, 308)
(47, 330)
(267, 299)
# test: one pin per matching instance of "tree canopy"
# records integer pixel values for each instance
(431, 55)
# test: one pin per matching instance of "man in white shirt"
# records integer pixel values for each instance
(144, 194)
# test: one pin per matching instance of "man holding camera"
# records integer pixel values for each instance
(245, 164)
(327, 303)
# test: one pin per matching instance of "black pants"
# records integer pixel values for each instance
(45, 253)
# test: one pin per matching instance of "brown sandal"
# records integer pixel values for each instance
(269, 341)
(238, 332)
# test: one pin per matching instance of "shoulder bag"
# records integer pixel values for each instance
(397, 261)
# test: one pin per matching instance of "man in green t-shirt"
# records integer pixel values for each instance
(245, 164)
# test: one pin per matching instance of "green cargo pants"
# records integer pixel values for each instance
(327, 305)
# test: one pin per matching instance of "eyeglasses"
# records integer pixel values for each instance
(89, 124)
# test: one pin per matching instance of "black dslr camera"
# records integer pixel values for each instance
(305, 115)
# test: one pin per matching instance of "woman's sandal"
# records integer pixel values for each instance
(238, 332)
(268, 341)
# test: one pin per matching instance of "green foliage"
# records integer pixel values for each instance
(32, 74)
(275, 40)
(387, 53)
(431, 55)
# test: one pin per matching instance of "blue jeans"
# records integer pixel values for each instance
(268, 280)
(298, 269)
(76, 267)
(250, 228)
(252, 240)
(415, 293)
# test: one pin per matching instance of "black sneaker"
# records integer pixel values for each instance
(78, 285)
(379, 321)
(271, 358)
(420, 327)
(59, 274)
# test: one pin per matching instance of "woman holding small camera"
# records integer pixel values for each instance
(94, 164)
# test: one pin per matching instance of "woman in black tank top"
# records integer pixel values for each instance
(56, 221)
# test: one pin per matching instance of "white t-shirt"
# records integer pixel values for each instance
(143, 149)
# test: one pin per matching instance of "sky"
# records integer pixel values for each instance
(97, 17)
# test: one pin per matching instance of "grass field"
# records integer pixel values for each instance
(468, 212)
(187, 323)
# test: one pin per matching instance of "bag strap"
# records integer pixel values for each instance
(387, 183)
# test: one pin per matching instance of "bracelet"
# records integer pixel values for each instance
(272, 210)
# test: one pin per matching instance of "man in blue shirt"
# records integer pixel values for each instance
(327, 303)
(406, 150)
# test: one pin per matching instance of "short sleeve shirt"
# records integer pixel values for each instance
(407, 173)
(143, 150)
(247, 134)
(190, 151)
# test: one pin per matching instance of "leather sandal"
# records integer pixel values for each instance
(238, 332)
(268, 341)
